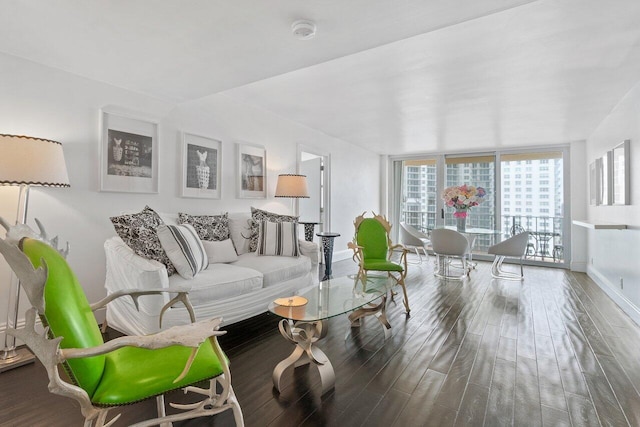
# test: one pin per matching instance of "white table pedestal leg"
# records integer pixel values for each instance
(380, 311)
(304, 335)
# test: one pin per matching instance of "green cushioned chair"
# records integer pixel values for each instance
(122, 371)
(372, 250)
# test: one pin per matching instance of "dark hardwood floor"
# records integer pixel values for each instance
(553, 350)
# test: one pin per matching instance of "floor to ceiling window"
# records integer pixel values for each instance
(479, 171)
(525, 192)
(532, 200)
(419, 206)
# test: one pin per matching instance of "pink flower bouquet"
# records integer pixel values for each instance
(463, 198)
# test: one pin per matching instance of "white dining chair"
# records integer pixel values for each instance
(414, 240)
(513, 247)
(449, 245)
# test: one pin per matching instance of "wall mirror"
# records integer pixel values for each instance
(620, 173)
(604, 179)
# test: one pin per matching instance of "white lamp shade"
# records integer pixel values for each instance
(32, 161)
(293, 186)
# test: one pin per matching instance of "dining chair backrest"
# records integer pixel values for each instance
(515, 246)
(449, 242)
(372, 237)
(409, 236)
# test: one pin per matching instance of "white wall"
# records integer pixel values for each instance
(577, 202)
(48, 103)
(614, 254)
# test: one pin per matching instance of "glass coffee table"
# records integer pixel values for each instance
(304, 318)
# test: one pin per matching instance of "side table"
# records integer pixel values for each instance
(309, 228)
(327, 238)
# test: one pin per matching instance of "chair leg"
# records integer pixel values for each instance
(419, 255)
(160, 408)
(404, 291)
(443, 267)
(235, 407)
(498, 273)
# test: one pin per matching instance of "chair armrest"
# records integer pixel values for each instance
(357, 252)
(50, 353)
(181, 295)
(311, 250)
(400, 247)
(191, 335)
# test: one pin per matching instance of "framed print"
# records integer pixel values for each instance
(252, 171)
(604, 179)
(620, 173)
(128, 154)
(593, 184)
(201, 166)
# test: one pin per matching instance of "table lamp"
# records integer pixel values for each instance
(26, 161)
(292, 186)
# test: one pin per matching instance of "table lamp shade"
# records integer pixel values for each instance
(25, 160)
(292, 186)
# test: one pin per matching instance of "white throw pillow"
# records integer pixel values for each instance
(278, 238)
(220, 251)
(184, 249)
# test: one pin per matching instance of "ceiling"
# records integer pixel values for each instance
(395, 77)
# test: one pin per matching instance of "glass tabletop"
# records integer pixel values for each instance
(474, 230)
(334, 297)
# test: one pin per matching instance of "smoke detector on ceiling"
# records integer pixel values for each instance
(303, 29)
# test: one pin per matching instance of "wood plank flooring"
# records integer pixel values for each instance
(553, 350)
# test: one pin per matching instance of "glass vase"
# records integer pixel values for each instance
(461, 220)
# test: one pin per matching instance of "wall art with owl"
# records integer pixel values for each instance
(128, 154)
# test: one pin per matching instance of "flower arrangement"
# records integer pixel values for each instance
(463, 198)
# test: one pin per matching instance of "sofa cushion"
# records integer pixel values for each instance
(209, 227)
(278, 238)
(139, 232)
(257, 216)
(222, 251)
(184, 248)
(240, 229)
(275, 269)
(218, 282)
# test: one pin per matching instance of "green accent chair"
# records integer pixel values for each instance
(122, 371)
(373, 249)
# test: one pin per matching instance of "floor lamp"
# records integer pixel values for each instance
(26, 162)
(292, 186)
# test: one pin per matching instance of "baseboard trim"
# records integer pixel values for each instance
(608, 288)
(342, 255)
(580, 266)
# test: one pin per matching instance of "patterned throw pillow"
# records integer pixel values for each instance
(257, 216)
(184, 249)
(278, 238)
(139, 232)
(209, 227)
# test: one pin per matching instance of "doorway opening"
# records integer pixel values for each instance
(315, 165)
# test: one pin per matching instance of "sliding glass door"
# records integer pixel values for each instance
(478, 171)
(419, 205)
(525, 191)
(532, 200)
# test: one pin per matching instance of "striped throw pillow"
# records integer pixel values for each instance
(184, 249)
(278, 238)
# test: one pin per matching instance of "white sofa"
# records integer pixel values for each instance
(235, 291)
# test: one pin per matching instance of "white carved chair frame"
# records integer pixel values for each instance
(358, 256)
(48, 351)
